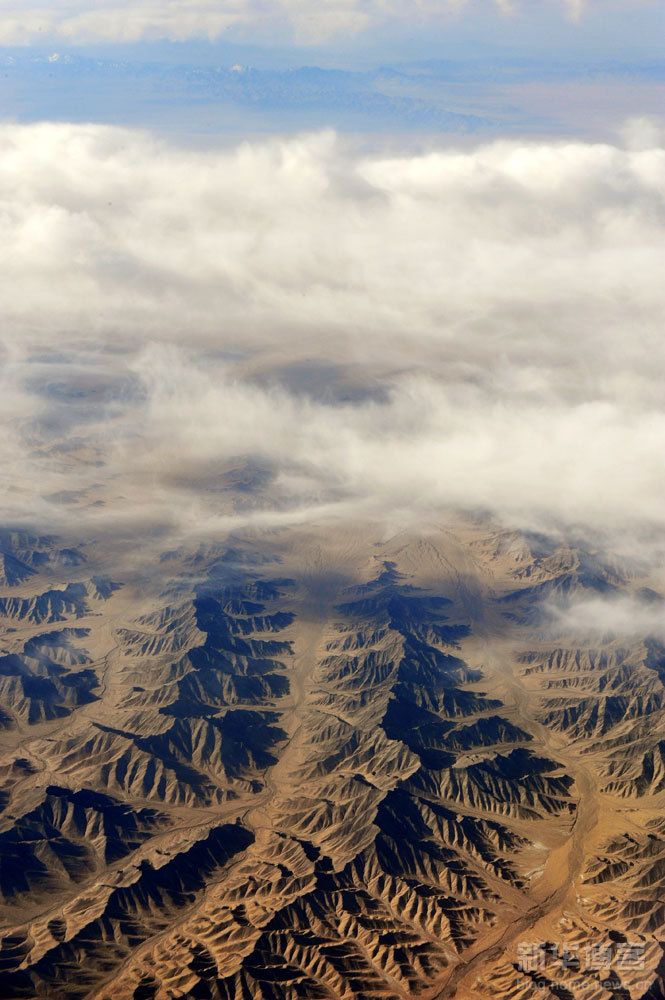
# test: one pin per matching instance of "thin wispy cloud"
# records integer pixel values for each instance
(306, 20)
(625, 616)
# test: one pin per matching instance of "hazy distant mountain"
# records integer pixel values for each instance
(214, 97)
(440, 96)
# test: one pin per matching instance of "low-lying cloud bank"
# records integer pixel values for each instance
(621, 616)
(478, 328)
(137, 20)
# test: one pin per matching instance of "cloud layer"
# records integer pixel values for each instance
(624, 616)
(307, 20)
(479, 328)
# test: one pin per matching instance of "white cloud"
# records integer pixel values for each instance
(624, 616)
(575, 8)
(431, 444)
(177, 20)
(489, 321)
(528, 250)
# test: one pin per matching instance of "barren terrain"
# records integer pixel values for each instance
(331, 763)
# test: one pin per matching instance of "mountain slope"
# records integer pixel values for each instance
(321, 764)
